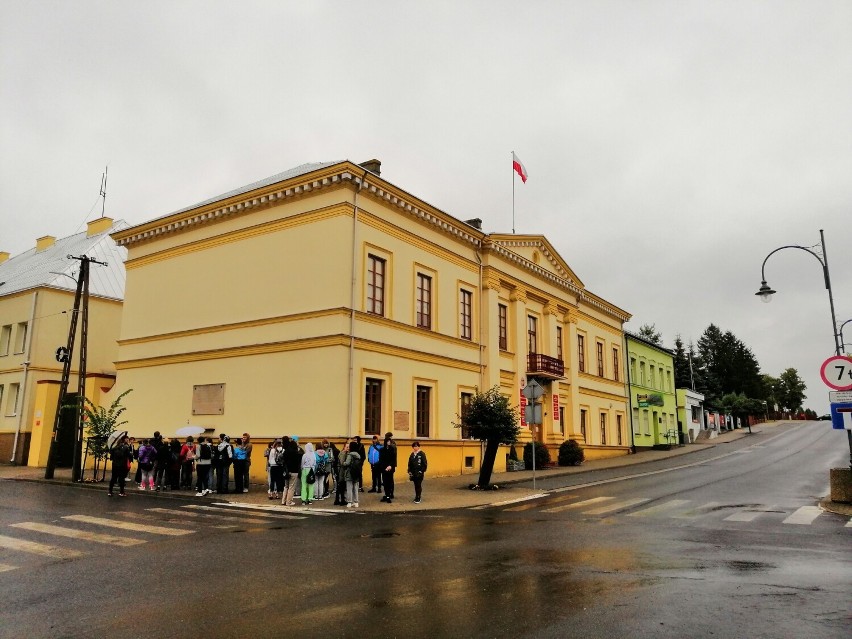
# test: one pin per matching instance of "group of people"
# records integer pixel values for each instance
(170, 465)
(308, 474)
(314, 474)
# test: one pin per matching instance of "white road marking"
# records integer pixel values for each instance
(85, 535)
(804, 516)
(697, 512)
(619, 505)
(659, 508)
(279, 512)
(7, 567)
(248, 519)
(586, 502)
(744, 515)
(127, 525)
(509, 501)
(38, 549)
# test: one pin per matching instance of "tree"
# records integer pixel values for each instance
(791, 390)
(681, 365)
(100, 422)
(491, 419)
(650, 333)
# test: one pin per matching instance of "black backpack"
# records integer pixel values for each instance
(205, 453)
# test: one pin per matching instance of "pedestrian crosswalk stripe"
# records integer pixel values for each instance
(181, 521)
(696, 512)
(804, 515)
(249, 518)
(744, 515)
(619, 505)
(128, 525)
(509, 501)
(38, 549)
(560, 508)
(848, 524)
(84, 535)
(586, 502)
(278, 512)
(7, 567)
(659, 508)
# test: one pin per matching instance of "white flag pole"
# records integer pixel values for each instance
(513, 192)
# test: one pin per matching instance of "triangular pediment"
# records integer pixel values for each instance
(536, 249)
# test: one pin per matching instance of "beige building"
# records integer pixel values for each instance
(326, 301)
(36, 299)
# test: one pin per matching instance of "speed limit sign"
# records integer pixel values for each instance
(836, 372)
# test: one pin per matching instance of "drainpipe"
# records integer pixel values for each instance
(481, 365)
(22, 395)
(352, 307)
(629, 393)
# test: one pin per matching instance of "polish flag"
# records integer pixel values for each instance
(519, 167)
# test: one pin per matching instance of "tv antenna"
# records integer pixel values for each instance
(103, 189)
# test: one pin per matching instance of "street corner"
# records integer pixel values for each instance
(836, 507)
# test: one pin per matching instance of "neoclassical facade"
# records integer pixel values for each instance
(327, 302)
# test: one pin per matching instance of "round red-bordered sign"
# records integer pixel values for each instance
(836, 372)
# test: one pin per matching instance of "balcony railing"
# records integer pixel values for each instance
(545, 366)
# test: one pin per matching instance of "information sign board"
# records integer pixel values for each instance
(841, 416)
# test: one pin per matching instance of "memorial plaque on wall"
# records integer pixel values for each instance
(208, 399)
(400, 420)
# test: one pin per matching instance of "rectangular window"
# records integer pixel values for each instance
(21, 337)
(669, 381)
(646, 422)
(504, 327)
(633, 369)
(466, 401)
(653, 377)
(559, 343)
(424, 394)
(5, 339)
(466, 310)
(373, 407)
(615, 371)
(581, 353)
(603, 429)
(601, 370)
(424, 301)
(562, 419)
(12, 404)
(642, 373)
(696, 412)
(583, 423)
(637, 427)
(532, 335)
(1, 397)
(375, 285)
(618, 433)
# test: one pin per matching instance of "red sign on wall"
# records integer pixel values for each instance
(523, 405)
(555, 408)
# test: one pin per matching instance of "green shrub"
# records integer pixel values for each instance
(542, 455)
(570, 453)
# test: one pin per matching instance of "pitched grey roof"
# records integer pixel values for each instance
(272, 179)
(51, 267)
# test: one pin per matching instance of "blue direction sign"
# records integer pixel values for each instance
(841, 415)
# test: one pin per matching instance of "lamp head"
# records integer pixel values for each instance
(765, 293)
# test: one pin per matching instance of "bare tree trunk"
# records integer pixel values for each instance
(491, 448)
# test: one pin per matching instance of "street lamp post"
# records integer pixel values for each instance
(840, 334)
(765, 293)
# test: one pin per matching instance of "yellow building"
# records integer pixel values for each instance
(328, 302)
(36, 299)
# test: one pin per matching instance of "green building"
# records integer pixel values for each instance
(653, 405)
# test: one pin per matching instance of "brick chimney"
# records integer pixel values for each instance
(475, 223)
(98, 226)
(4, 255)
(44, 243)
(373, 166)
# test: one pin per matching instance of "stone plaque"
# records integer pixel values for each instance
(208, 399)
(400, 420)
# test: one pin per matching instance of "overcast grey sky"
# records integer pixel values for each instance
(670, 145)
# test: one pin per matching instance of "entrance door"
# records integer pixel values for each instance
(67, 434)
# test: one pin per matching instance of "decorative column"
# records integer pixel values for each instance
(490, 338)
(518, 342)
(572, 373)
(552, 320)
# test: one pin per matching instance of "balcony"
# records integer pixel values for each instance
(544, 366)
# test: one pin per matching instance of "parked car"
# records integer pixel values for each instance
(824, 418)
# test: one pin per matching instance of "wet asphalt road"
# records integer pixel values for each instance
(715, 544)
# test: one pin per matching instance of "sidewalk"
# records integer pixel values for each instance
(438, 492)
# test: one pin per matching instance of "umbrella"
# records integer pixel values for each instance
(186, 431)
(115, 437)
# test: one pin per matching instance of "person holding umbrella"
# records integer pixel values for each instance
(121, 455)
